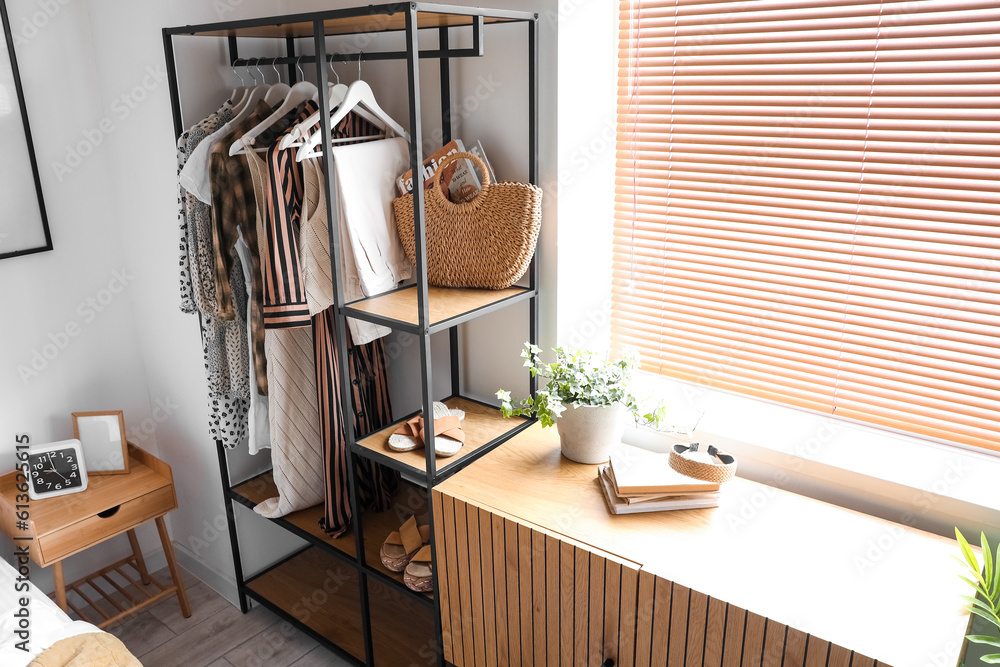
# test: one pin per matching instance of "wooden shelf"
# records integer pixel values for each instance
(258, 489)
(374, 22)
(482, 425)
(297, 585)
(402, 629)
(447, 306)
(408, 499)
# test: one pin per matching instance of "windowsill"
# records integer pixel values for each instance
(904, 479)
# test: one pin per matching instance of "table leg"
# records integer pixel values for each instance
(140, 562)
(168, 551)
(57, 575)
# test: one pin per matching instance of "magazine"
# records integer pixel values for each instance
(460, 180)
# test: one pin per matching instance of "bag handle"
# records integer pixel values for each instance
(458, 156)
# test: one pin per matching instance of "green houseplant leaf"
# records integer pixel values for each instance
(578, 377)
(986, 584)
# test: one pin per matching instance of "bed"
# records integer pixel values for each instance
(52, 638)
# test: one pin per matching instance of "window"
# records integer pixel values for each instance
(808, 205)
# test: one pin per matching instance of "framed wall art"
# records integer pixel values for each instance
(102, 437)
(24, 228)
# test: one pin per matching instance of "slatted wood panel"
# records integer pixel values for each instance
(732, 648)
(678, 624)
(697, 628)
(753, 640)
(500, 589)
(513, 594)
(627, 616)
(644, 619)
(774, 645)
(488, 596)
(444, 539)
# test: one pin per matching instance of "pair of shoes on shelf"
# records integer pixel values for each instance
(408, 551)
(448, 434)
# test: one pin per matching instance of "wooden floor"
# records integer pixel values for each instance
(216, 635)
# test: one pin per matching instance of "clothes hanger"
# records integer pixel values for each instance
(240, 91)
(277, 92)
(300, 132)
(300, 92)
(255, 96)
(246, 94)
(358, 93)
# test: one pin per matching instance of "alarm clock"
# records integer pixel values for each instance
(55, 469)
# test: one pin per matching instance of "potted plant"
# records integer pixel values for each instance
(986, 602)
(588, 395)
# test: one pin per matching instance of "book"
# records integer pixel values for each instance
(617, 505)
(640, 471)
(646, 497)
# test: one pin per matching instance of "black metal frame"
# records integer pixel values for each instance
(424, 328)
(9, 36)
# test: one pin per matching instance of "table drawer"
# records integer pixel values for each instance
(95, 529)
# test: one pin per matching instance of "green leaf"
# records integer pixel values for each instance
(995, 593)
(988, 615)
(967, 550)
(988, 560)
(992, 659)
(983, 639)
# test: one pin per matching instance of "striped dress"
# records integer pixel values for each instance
(286, 306)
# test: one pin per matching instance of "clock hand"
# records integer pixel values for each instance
(56, 472)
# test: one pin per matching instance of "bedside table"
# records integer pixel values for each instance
(112, 504)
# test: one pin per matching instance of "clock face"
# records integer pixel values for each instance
(55, 470)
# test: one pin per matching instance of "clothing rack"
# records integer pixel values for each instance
(397, 309)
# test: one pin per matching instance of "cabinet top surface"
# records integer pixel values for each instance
(883, 589)
(146, 474)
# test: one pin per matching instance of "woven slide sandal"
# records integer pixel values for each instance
(448, 433)
(401, 545)
(418, 574)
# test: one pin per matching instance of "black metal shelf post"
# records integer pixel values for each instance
(317, 27)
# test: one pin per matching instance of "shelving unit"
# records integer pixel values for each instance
(361, 612)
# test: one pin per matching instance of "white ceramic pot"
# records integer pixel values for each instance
(588, 432)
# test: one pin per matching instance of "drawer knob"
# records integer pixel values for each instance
(109, 512)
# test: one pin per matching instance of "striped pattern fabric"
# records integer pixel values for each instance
(372, 411)
(286, 310)
(285, 303)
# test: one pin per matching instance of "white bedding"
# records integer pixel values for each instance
(48, 623)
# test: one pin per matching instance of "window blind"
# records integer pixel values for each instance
(807, 205)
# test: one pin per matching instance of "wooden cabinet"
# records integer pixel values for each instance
(535, 571)
(112, 504)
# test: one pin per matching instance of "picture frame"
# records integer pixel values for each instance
(24, 226)
(102, 438)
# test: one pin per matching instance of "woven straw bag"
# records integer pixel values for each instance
(484, 243)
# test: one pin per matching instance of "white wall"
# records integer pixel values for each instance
(70, 340)
(94, 61)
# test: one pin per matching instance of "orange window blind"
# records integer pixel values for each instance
(807, 205)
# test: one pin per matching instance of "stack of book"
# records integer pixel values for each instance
(638, 480)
